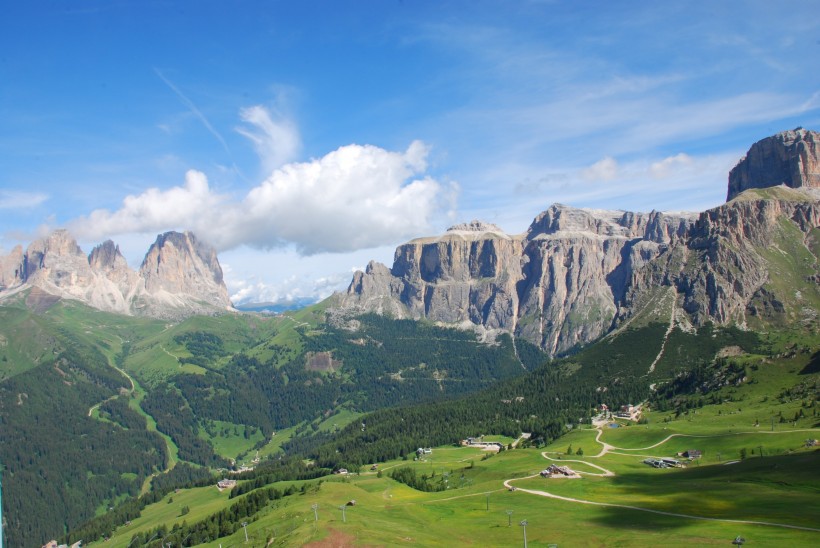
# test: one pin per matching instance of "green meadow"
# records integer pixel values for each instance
(781, 489)
(756, 478)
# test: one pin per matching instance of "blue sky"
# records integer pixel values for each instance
(304, 138)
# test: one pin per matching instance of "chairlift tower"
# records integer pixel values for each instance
(509, 518)
(342, 508)
(524, 525)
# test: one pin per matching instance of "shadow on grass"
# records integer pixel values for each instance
(813, 366)
(779, 489)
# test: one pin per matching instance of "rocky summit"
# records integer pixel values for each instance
(576, 274)
(790, 158)
(179, 276)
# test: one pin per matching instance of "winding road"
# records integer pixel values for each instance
(131, 391)
(606, 448)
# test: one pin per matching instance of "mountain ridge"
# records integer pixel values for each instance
(180, 275)
(577, 274)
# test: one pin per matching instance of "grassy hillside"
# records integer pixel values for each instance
(203, 391)
(623, 509)
(756, 477)
(174, 399)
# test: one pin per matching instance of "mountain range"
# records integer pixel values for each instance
(180, 276)
(572, 277)
(577, 274)
(151, 398)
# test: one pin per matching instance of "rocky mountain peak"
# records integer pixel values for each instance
(180, 264)
(106, 256)
(474, 226)
(578, 274)
(55, 260)
(563, 220)
(59, 242)
(180, 275)
(790, 158)
(11, 268)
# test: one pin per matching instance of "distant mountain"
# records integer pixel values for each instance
(277, 307)
(180, 276)
(578, 274)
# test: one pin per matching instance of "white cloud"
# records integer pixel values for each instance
(276, 141)
(155, 210)
(282, 275)
(352, 198)
(605, 169)
(12, 199)
(667, 166)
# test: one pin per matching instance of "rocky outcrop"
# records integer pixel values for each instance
(179, 276)
(12, 268)
(790, 158)
(742, 252)
(179, 270)
(577, 274)
(559, 285)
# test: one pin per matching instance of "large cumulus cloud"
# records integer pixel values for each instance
(355, 197)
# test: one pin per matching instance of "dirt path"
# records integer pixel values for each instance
(669, 437)
(508, 485)
(163, 349)
(607, 448)
(606, 473)
(130, 392)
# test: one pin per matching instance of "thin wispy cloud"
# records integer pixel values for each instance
(12, 199)
(194, 110)
(274, 137)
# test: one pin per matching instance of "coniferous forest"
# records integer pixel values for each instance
(419, 385)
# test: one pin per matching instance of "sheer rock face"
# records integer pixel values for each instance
(180, 275)
(12, 269)
(560, 284)
(790, 158)
(180, 270)
(577, 274)
(739, 249)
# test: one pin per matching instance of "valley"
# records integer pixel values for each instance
(619, 498)
(766, 498)
(631, 379)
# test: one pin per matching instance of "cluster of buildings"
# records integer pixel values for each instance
(555, 471)
(53, 544)
(226, 484)
(477, 442)
(690, 454)
(627, 412)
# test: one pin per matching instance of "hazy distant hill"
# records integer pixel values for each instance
(277, 307)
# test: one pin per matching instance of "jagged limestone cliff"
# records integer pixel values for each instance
(180, 275)
(560, 284)
(577, 274)
(790, 158)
